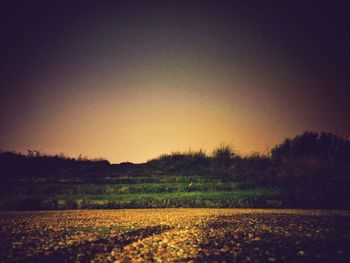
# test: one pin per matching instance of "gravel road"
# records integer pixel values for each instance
(176, 235)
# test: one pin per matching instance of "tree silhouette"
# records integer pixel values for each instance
(326, 146)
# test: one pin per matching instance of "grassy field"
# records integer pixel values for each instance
(153, 191)
(175, 235)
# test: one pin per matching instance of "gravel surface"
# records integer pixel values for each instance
(181, 235)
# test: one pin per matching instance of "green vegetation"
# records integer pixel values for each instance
(310, 170)
(181, 194)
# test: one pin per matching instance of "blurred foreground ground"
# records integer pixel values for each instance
(158, 235)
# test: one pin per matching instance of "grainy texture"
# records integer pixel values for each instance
(156, 235)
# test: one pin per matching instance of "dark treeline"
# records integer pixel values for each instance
(37, 164)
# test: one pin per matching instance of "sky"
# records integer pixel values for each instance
(130, 80)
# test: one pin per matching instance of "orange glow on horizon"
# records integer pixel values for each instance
(129, 81)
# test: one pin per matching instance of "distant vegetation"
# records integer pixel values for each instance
(309, 170)
(37, 164)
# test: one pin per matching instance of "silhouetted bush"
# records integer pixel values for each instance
(185, 163)
(328, 147)
(313, 168)
(223, 157)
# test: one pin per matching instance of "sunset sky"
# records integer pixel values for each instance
(130, 80)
